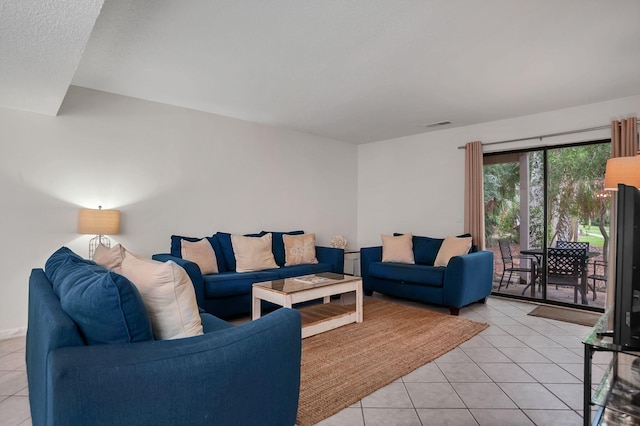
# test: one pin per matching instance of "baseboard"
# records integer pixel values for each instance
(13, 332)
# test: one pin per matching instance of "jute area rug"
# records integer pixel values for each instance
(342, 366)
(574, 316)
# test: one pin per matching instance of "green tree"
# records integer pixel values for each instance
(575, 177)
(501, 199)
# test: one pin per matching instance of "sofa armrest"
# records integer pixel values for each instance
(332, 255)
(249, 374)
(468, 278)
(193, 270)
(369, 255)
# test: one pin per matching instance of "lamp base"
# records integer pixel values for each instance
(95, 242)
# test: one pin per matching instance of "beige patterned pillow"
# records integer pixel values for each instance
(253, 253)
(299, 249)
(452, 246)
(397, 249)
(110, 258)
(201, 253)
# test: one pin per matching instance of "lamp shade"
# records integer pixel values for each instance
(625, 170)
(98, 222)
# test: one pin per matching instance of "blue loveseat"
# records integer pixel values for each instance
(230, 375)
(466, 279)
(228, 293)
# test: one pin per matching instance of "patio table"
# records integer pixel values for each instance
(539, 254)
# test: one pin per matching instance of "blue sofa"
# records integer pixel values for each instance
(228, 293)
(230, 375)
(466, 279)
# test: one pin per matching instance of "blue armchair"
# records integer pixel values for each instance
(230, 375)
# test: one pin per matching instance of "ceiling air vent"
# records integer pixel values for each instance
(437, 124)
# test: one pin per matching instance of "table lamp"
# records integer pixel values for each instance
(625, 170)
(100, 223)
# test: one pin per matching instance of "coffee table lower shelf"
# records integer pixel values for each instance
(326, 316)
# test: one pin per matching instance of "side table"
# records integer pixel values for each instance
(352, 262)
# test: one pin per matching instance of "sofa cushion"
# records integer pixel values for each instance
(201, 253)
(226, 247)
(253, 253)
(452, 246)
(278, 244)
(397, 248)
(412, 274)
(110, 258)
(176, 248)
(106, 307)
(168, 294)
(235, 283)
(300, 249)
(425, 249)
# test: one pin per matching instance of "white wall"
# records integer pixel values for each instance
(416, 183)
(169, 170)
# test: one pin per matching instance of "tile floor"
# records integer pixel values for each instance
(522, 370)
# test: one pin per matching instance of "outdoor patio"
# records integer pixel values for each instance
(561, 294)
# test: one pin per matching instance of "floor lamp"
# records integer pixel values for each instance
(98, 222)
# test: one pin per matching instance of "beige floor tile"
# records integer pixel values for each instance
(446, 417)
(391, 417)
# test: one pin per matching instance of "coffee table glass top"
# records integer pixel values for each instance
(306, 282)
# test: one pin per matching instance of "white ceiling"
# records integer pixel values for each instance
(353, 70)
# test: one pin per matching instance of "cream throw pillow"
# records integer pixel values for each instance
(253, 253)
(299, 249)
(110, 258)
(200, 253)
(397, 249)
(452, 246)
(168, 295)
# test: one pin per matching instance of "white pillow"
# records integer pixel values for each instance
(452, 246)
(200, 253)
(110, 258)
(299, 249)
(168, 295)
(397, 249)
(253, 253)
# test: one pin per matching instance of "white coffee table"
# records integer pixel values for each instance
(316, 318)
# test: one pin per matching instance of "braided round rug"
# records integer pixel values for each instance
(342, 366)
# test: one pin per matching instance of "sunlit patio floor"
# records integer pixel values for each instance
(561, 294)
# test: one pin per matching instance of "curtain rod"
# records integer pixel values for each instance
(570, 132)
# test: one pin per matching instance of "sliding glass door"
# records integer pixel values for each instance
(548, 198)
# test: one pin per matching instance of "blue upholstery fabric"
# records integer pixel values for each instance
(249, 374)
(106, 306)
(406, 273)
(277, 244)
(425, 249)
(224, 239)
(233, 283)
(212, 323)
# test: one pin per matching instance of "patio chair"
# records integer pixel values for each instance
(511, 267)
(600, 269)
(565, 267)
(572, 245)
